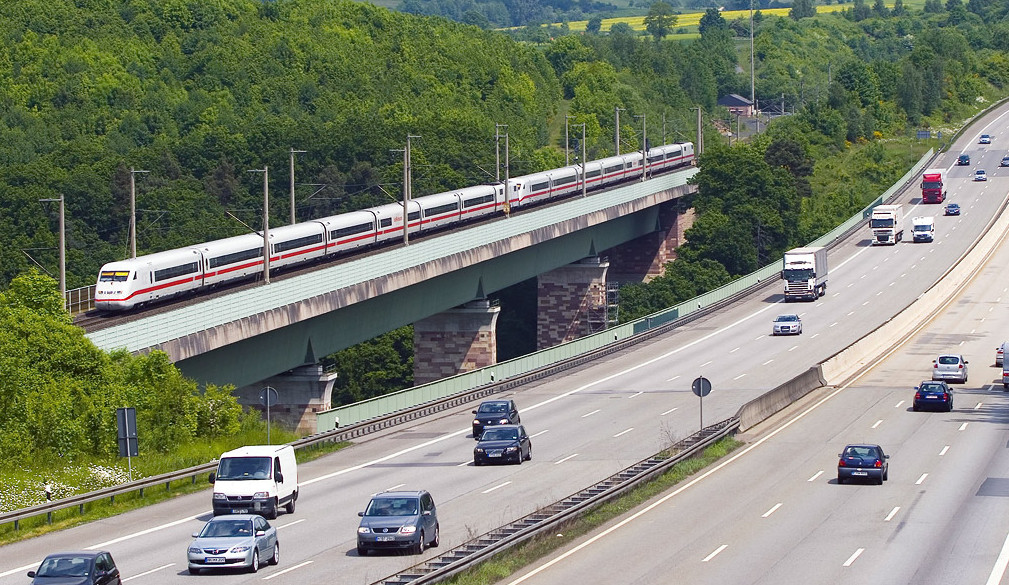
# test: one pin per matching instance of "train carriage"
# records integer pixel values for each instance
(480, 200)
(389, 219)
(439, 210)
(293, 244)
(348, 231)
(125, 284)
(232, 258)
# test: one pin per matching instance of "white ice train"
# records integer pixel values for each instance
(126, 284)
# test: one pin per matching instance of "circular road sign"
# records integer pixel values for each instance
(269, 396)
(701, 386)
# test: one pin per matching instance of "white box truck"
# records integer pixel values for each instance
(923, 229)
(257, 479)
(887, 224)
(805, 273)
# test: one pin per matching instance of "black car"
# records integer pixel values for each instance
(963, 160)
(862, 462)
(495, 412)
(933, 394)
(90, 567)
(503, 444)
(952, 209)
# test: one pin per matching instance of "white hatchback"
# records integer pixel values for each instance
(950, 367)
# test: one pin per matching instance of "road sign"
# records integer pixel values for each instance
(269, 396)
(701, 386)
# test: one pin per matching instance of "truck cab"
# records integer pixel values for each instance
(923, 229)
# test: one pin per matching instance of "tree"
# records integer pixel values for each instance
(660, 20)
(802, 9)
(594, 25)
(711, 20)
(879, 9)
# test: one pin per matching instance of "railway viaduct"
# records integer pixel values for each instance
(274, 335)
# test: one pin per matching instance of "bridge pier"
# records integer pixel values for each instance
(571, 302)
(302, 392)
(455, 341)
(644, 258)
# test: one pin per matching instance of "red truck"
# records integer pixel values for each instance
(931, 186)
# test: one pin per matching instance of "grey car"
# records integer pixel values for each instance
(403, 520)
(787, 325)
(88, 567)
(950, 367)
(238, 540)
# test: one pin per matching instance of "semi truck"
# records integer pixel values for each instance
(932, 189)
(923, 229)
(887, 224)
(805, 273)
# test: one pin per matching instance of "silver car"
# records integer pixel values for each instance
(950, 367)
(787, 325)
(238, 540)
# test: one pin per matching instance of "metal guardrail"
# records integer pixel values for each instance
(79, 300)
(559, 513)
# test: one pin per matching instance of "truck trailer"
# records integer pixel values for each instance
(805, 273)
(887, 224)
(932, 188)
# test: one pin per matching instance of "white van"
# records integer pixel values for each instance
(257, 479)
(923, 228)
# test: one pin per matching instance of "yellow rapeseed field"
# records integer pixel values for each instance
(692, 19)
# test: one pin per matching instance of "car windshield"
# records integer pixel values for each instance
(493, 407)
(500, 435)
(860, 452)
(392, 507)
(64, 567)
(227, 529)
(787, 318)
(931, 387)
(949, 360)
(236, 468)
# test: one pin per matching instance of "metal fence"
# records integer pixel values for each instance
(80, 300)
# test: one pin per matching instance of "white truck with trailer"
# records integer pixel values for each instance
(805, 273)
(923, 229)
(887, 224)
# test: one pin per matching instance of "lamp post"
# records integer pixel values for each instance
(133, 212)
(266, 222)
(293, 152)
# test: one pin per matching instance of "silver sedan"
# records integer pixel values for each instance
(787, 325)
(238, 540)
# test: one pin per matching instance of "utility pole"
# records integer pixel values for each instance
(266, 221)
(753, 95)
(293, 152)
(507, 206)
(63, 247)
(567, 152)
(497, 151)
(584, 177)
(617, 124)
(700, 133)
(407, 188)
(644, 146)
(133, 212)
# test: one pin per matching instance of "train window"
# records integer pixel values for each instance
(614, 169)
(413, 215)
(539, 187)
(234, 257)
(176, 271)
(351, 230)
(297, 243)
(477, 201)
(454, 206)
(387, 222)
(114, 276)
(565, 180)
(655, 158)
(673, 154)
(594, 173)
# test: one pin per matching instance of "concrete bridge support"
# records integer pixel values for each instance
(302, 392)
(644, 258)
(571, 302)
(455, 341)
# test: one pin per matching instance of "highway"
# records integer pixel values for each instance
(591, 422)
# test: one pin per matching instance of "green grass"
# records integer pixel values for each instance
(514, 559)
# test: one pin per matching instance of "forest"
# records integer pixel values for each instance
(197, 93)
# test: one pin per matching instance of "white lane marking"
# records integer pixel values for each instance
(898, 404)
(715, 552)
(673, 378)
(624, 432)
(850, 314)
(879, 422)
(587, 414)
(739, 376)
(978, 407)
(773, 509)
(571, 456)
(815, 335)
(125, 579)
(287, 570)
(767, 362)
(707, 363)
(291, 523)
(891, 514)
(106, 544)
(635, 394)
(815, 475)
(852, 558)
(995, 577)
(865, 303)
(758, 338)
(544, 431)
(794, 347)
(395, 487)
(834, 323)
(735, 350)
(464, 464)
(921, 479)
(498, 486)
(963, 426)
(944, 450)
(668, 411)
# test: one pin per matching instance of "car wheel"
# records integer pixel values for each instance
(529, 454)
(915, 408)
(275, 559)
(194, 571)
(886, 474)
(949, 407)
(290, 505)
(272, 513)
(362, 552)
(419, 547)
(880, 480)
(477, 463)
(254, 566)
(840, 480)
(437, 537)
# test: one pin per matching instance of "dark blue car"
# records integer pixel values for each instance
(933, 394)
(503, 444)
(859, 461)
(952, 209)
